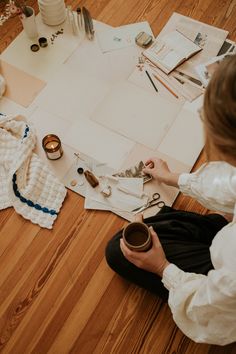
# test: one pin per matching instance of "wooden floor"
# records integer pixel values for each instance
(57, 295)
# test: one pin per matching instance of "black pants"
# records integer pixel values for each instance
(185, 238)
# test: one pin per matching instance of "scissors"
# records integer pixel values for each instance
(154, 201)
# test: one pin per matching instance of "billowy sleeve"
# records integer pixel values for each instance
(203, 306)
(213, 185)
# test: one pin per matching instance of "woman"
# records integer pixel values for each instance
(193, 258)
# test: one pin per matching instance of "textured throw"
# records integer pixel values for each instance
(26, 183)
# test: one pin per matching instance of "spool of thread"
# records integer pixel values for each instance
(92, 180)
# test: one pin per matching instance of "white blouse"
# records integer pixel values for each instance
(204, 306)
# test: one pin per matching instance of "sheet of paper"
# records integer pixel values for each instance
(47, 61)
(9, 107)
(137, 114)
(21, 87)
(185, 138)
(99, 142)
(48, 123)
(77, 182)
(139, 78)
(110, 67)
(118, 199)
(72, 95)
(122, 37)
(94, 204)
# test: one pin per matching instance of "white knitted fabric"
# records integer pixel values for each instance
(26, 183)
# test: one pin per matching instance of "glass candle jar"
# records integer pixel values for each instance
(52, 147)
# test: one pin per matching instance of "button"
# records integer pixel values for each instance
(80, 170)
(73, 183)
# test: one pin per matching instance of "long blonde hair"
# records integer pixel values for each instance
(219, 110)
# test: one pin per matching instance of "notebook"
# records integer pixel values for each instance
(171, 50)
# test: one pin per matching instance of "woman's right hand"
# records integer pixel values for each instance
(160, 171)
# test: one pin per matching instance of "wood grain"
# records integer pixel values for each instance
(57, 294)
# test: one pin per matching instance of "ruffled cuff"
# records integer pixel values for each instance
(172, 275)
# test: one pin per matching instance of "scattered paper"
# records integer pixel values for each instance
(137, 114)
(206, 70)
(121, 37)
(132, 198)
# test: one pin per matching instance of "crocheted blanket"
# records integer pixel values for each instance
(26, 183)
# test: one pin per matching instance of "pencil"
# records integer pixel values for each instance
(167, 87)
(151, 80)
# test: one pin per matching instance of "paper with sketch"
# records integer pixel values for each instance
(121, 37)
(141, 116)
(126, 194)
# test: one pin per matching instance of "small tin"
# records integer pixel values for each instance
(34, 47)
(43, 42)
(143, 39)
(52, 147)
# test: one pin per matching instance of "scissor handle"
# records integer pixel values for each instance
(161, 204)
(156, 196)
(154, 200)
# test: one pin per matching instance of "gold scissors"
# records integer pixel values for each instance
(154, 201)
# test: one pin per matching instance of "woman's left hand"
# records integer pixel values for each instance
(153, 260)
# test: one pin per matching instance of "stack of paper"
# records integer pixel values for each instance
(126, 194)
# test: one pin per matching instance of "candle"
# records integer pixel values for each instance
(52, 146)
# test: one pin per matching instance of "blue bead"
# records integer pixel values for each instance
(45, 210)
(37, 206)
(52, 212)
(17, 194)
(23, 200)
(30, 203)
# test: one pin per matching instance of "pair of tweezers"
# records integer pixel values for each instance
(88, 23)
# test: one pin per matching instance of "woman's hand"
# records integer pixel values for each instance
(153, 260)
(160, 171)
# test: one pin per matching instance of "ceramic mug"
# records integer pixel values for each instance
(137, 237)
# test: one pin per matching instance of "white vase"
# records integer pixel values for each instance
(29, 24)
(53, 12)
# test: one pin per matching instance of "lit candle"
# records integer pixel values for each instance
(52, 146)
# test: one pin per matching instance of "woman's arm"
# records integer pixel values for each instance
(203, 307)
(213, 184)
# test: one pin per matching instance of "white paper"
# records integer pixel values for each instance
(139, 78)
(118, 199)
(110, 67)
(44, 63)
(122, 37)
(99, 142)
(137, 114)
(9, 107)
(185, 139)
